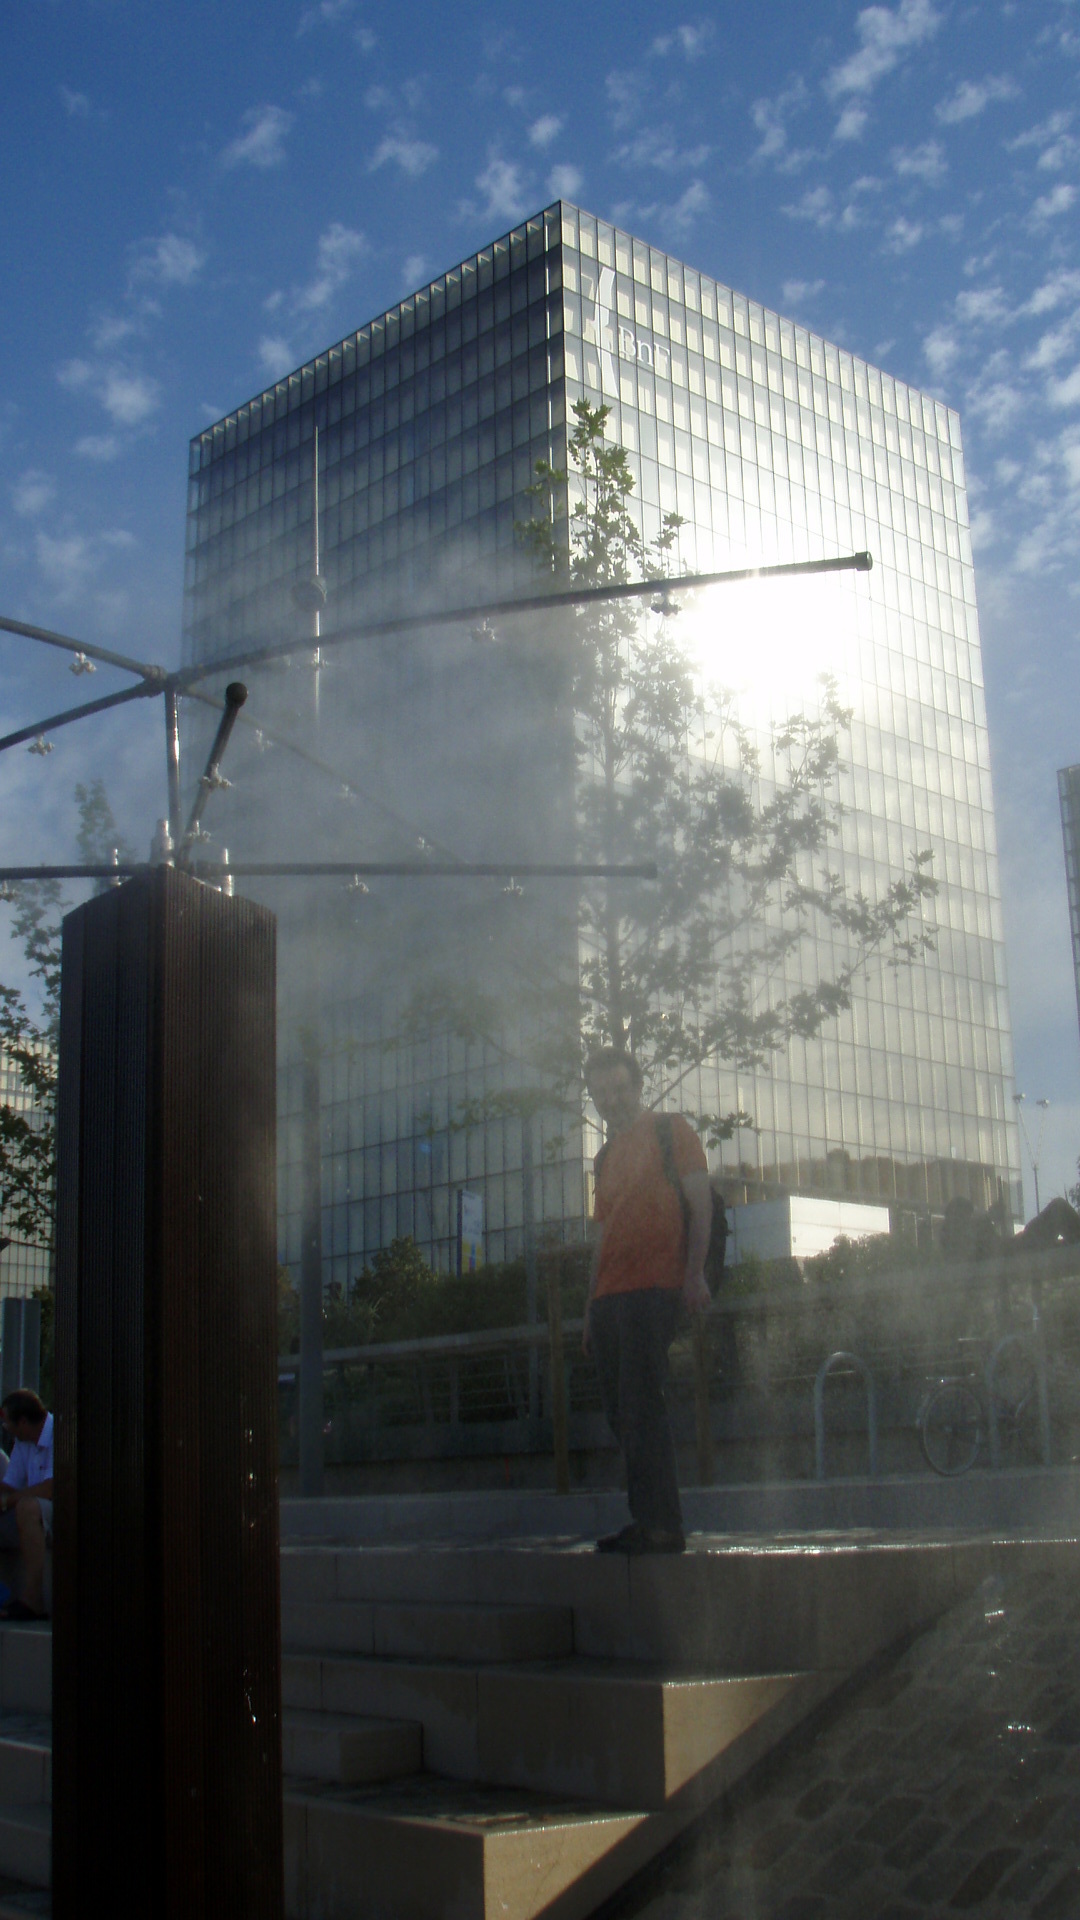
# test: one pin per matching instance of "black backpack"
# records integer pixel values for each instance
(718, 1231)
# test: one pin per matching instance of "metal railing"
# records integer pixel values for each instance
(405, 1395)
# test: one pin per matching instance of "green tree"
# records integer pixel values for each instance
(710, 962)
(28, 1036)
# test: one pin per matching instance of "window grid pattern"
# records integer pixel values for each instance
(772, 445)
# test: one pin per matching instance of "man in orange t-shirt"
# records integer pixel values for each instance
(648, 1262)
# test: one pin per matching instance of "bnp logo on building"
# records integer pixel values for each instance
(616, 341)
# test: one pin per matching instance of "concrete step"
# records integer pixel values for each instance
(429, 1849)
(415, 1630)
(25, 1669)
(348, 1749)
(25, 1759)
(618, 1734)
(25, 1844)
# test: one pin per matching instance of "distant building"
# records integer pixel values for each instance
(1069, 795)
(24, 1264)
(772, 444)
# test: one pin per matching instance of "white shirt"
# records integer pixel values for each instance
(32, 1460)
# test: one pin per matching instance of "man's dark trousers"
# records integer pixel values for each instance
(630, 1335)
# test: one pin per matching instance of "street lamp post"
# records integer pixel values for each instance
(1034, 1154)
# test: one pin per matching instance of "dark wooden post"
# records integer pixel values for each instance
(166, 1633)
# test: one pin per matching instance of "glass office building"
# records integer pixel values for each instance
(772, 445)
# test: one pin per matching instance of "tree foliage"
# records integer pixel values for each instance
(714, 963)
(29, 1035)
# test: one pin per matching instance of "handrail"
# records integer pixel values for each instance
(1054, 1264)
(834, 1360)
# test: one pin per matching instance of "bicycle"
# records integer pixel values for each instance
(955, 1417)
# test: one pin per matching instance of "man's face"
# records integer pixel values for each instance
(615, 1097)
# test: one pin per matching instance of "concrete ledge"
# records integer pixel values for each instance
(1028, 1500)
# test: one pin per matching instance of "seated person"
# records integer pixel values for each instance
(26, 1507)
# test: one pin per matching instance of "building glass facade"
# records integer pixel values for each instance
(772, 445)
(1069, 795)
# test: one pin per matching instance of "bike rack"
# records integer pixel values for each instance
(852, 1360)
(1019, 1340)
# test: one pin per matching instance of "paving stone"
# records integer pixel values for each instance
(889, 1819)
(916, 1844)
(941, 1876)
(1025, 1880)
(1062, 1901)
(979, 1884)
(820, 1798)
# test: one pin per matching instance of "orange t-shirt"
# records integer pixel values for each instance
(644, 1238)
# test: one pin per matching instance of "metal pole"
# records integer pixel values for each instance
(311, 1281)
(311, 1407)
(528, 1209)
(172, 763)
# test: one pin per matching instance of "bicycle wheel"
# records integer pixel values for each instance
(951, 1427)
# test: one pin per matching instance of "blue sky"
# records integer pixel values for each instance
(198, 196)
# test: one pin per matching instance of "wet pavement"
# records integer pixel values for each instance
(948, 1783)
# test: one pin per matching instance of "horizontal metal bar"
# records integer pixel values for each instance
(346, 869)
(529, 603)
(144, 690)
(144, 668)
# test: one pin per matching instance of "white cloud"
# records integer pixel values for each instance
(503, 189)
(816, 205)
(981, 307)
(1050, 205)
(337, 255)
(770, 118)
(796, 291)
(31, 493)
(544, 131)
(1065, 393)
(76, 105)
(996, 403)
(75, 374)
(171, 260)
(692, 201)
(885, 35)
(69, 561)
(1051, 348)
(926, 162)
(415, 271)
(276, 357)
(972, 97)
(1061, 286)
(903, 235)
(940, 349)
(111, 329)
(563, 183)
(365, 40)
(326, 13)
(261, 140)
(851, 123)
(412, 155)
(129, 398)
(625, 92)
(103, 446)
(690, 41)
(658, 147)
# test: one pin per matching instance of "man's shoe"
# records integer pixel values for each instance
(638, 1539)
(627, 1540)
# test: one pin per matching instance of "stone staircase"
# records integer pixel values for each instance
(496, 1733)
